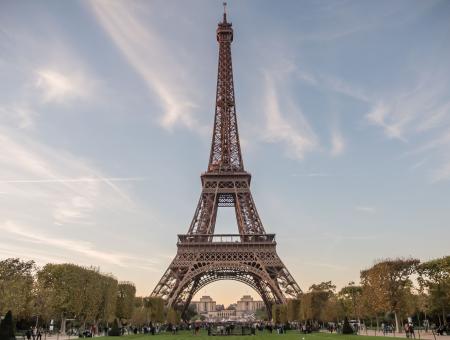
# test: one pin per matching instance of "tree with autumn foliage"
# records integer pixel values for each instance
(389, 285)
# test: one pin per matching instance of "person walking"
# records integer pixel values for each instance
(406, 328)
(411, 331)
(28, 334)
(39, 334)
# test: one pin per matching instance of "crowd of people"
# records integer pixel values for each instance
(35, 333)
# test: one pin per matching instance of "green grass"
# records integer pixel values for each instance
(290, 335)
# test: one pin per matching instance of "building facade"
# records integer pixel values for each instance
(244, 309)
(247, 304)
(205, 305)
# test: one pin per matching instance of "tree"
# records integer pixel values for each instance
(125, 300)
(333, 310)
(139, 314)
(319, 295)
(115, 329)
(279, 314)
(16, 285)
(350, 298)
(261, 314)
(190, 312)
(346, 328)
(109, 291)
(172, 317)
(155, 308)
(68, 290)
(293, 310)
(7, 327)
(92, 294)
(389, 285)
(62, 286)
(434, 276)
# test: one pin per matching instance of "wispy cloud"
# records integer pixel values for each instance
(18, 115)
(313, 174)
(84, 248)
(366, 209)
(297, 137)
(416, 116)
(337, 143)
(332, 83)
(68, 188)
(58, 87)
(326, 265)
(441, 173)
(74, 180)
(153, 60)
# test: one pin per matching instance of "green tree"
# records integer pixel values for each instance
(16, 286)
(434, 276)
(126, 294)
(319, 296)
(172, 316)
(350, 298)
(109, 291)
(279, 314)
(68, 290)
(293, 310)
(190, 312)
(155, 308)
(62, 286)
(261, 314)
(115, 329)
(139, 314)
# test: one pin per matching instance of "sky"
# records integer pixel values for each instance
(106, 113)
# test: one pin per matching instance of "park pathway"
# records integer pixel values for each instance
(419, 335)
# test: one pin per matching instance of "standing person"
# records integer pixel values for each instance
(406, 327)
(411, 331)
(28, 334)
(39, 334)
(34, 333)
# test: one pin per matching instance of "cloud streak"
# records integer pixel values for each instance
(153, 61)
(366, 209)
(298, 139)
(83, 248)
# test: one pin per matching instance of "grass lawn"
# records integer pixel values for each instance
(290, 335)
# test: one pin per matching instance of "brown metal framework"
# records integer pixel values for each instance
(204, 257)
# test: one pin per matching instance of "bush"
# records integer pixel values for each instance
(7, 328)
(346, 328)
(115, 330)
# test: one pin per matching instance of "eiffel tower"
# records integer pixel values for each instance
(204, 257)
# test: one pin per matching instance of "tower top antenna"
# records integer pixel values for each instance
(224, 12)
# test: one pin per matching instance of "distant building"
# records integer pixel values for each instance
(247, 304)
(244, 309)
(205, 305)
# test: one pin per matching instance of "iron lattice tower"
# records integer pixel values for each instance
(204, 257)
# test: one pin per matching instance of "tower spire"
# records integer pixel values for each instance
(224, 12)
(225, 148)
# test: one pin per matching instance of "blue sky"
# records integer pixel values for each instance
(106, 112)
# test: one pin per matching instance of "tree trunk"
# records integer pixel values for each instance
(63, 325)
(397, 328)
